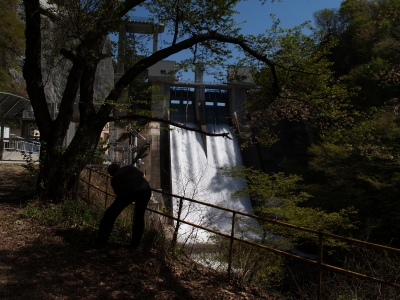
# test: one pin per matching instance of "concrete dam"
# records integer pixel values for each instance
(185, 162)
(196, 160)
(188, 163)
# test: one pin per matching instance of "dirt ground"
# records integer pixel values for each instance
(41, 262)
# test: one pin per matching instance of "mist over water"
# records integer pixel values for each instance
(196, 175)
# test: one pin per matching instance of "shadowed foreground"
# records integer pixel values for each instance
(43, 262)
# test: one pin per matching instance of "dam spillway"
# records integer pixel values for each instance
(197, 175)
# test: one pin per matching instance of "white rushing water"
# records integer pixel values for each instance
(197, 176)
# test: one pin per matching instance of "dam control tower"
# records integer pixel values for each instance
(136, 25)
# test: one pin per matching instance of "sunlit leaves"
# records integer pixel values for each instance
(11, 45)
(308, 90)
(280, 196)
(361, 168)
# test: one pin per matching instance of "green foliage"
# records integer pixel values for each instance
(11, 33)
(343, 82)
(84, 216)
(80, 215)
(371, 30)
(264, 188)
(251, 264)
(280, 196)
(30, 164)
(361, 168)
(308, 90)
(365, 87)
(5, 81)
(65, 214)
(330, 21)
(376, 263)
(187, 18)
(98, 154)
(11, 45)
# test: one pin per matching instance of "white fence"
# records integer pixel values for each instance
(21, 145)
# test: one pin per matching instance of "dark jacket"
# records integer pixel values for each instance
(127, 180)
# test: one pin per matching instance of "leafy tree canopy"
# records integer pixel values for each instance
(308, 89)
(344, 94)
(11, 45)
(280, 196)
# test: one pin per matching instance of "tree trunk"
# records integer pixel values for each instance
(60, 168)
(57, 180)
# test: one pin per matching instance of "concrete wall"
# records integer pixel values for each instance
(240, 74)
(251, 154)
(237, 98)
(163, 69)
(156, 163)
(160, 99)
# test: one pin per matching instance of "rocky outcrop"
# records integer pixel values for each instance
(55, 68)
(104, 76)
(55, 71)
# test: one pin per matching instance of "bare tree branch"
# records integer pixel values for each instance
(133, 116)
(126, 6)
(177, 19)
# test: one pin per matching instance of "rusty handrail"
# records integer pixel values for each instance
(316, 232)
(232, 237)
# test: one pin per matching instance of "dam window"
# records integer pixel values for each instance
(216, 106)
(163, 72)
(181, 104)
(182, 93)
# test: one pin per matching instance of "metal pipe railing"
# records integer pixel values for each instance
(319, 262)
(21, 145)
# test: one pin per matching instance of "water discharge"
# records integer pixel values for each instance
(197, 175)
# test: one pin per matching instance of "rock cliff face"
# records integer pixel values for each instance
(55, 68)
(55, 71)
(104, 77)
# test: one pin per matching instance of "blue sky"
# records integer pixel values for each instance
(290, 13)
(257, 16)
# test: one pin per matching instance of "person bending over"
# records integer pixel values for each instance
(129, 185)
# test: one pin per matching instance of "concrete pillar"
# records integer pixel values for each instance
(2, 138)
(160, 100)
(199, 74)
(237, 98)
(155, 164)
(250, 154)
(121, 49)
(152, 161)
(155, 41)
(199, 97)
